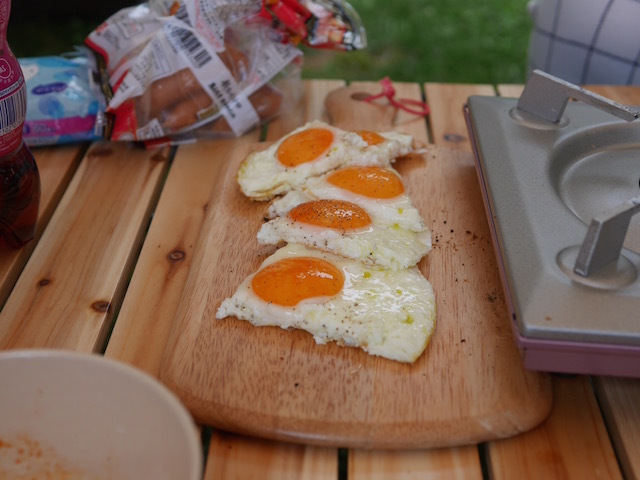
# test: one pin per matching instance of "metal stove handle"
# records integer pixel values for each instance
(605, 236)
(546, 96)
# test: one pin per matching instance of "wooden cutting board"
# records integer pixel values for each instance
(469, 385)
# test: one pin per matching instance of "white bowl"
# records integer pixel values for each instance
(81, 416)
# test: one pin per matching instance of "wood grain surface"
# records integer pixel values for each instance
(547, 447)
(75, 279)
(161, 270)
(572, 443)
(456, 463)
(56, 167)
(620, 397)
(620, 402)
(469, 386)
(158, 280)
(237, 457)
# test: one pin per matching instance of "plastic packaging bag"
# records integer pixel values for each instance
(328, 24)
(64, 104)
(182, 70)
(199, 68)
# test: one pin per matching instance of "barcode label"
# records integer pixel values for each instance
(184, 40)
(183, 15)
(13, 110)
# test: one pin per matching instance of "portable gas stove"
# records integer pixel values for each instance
(561, 186)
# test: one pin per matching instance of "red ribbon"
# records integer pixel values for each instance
(415, 107)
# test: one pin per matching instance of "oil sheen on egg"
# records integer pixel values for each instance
(387, 313)
(312, 150)
(379, 190)
(346, 229)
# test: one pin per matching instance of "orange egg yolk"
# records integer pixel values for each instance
(372, 138)
(373, 182)
(336, 214)
(304, 146)
(292, 280)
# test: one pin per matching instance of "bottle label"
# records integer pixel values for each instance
(13, 109)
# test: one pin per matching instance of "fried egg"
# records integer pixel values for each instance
(347, 229)
(386, 313)
(379, 190)
(312, 150)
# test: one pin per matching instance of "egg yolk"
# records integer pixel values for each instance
(373, 182)
(291, 280)
(372, 138)
(337, 214)
(304, 146)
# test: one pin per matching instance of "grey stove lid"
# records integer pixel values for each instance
(544, 182)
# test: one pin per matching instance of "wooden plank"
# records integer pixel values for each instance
(310, 107)
(620, 397)
(444, 463)
(56, 167)
(460, 463)
(574, 430)
(620, 402)
(510, 90)
(323, 463)
(162, 268)
(449, 129)
(152, 300)
(75, 278)
(245, 458)
(627, 94)
(262, 397)
(234, 456)
(572, 444)
(446, 101)
(276, 455)
(345, 109)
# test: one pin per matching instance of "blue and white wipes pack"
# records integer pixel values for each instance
(64, 104)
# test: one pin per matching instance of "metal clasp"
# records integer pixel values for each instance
(546, 97)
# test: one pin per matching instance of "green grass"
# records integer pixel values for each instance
(461, 41)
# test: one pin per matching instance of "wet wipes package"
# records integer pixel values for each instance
(64, 104)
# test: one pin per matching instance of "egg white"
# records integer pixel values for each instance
(387, 313)
(261, 176)
(389, 247)
(397, 212)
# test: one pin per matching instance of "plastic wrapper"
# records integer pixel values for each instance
(199, 68)
(177, 71)
(327, 24)
(334, 25)
(64, 103)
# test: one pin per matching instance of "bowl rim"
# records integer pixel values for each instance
(184, 417)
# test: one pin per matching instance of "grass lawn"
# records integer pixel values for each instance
(462, 41)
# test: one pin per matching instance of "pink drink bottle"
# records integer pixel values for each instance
(19, 176)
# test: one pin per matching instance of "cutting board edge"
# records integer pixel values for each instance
(484, 427)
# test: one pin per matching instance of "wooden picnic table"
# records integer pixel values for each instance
(120, 231)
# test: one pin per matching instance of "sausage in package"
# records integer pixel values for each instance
(194, 69)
